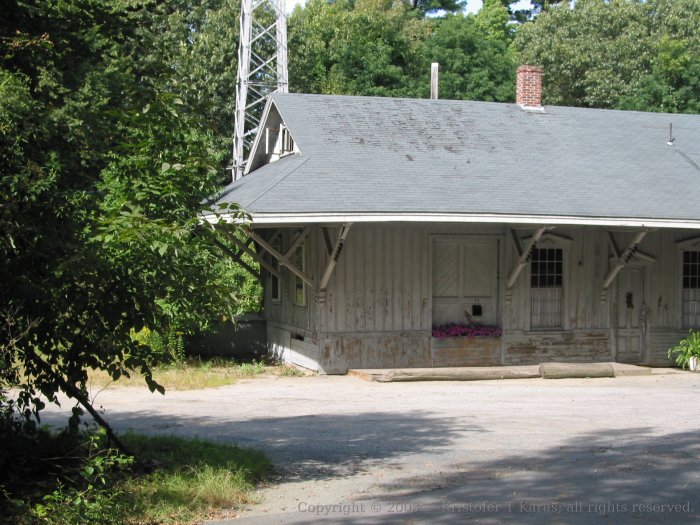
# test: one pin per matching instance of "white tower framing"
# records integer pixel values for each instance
(262, 69)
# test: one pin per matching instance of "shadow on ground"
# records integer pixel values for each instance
(631, 476)
(636, 475)
(311, 446)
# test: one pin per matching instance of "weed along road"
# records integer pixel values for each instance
(607, 450)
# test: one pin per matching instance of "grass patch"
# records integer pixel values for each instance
(190, 481)
(198, 373)
(195, 479)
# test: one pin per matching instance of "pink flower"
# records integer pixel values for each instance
(465, 330)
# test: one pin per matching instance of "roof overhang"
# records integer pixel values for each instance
(282, 219)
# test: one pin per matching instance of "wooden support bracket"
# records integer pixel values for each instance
(525, 255)
(327, 240)
(284, 259)
(516, 242)
(237, 257)
(297, 241)
(243, 246)
(622, 261)
(334, 256)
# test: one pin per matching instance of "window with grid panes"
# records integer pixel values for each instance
(691, 289)
(546, 288)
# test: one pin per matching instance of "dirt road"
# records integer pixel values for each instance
(623, 450)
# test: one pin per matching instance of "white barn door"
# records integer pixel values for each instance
(465, 280)
(630, 315)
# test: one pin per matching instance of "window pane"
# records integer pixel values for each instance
(691, 289)
(691, 269)
(299, 295)
(546, 305)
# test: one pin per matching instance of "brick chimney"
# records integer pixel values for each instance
(528, 89)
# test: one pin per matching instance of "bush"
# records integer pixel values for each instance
(686, 349)
(70, 478)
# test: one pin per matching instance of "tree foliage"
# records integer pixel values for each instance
(106, 158)
(475, 64)
(380, 48)
(617, 54)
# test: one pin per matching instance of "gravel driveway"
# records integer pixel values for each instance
(623, 450)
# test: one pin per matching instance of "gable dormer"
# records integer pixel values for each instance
(273, 140)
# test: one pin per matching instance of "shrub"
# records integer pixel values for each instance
(686, 349)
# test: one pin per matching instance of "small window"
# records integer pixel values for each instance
(287, 143)
(546, 288)
(275, 291)
(691, 289)
(299, 285)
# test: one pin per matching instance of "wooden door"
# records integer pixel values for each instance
(465, 280)
(630, 315)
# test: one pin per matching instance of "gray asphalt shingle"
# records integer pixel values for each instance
(401, 156)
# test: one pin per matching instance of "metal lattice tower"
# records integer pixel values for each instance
(262, 69)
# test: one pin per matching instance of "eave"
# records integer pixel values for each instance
(284, 219)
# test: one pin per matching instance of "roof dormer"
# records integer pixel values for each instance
(273, 141)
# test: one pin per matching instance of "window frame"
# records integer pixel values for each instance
(554, 280)
(564, 243)
(691, 264)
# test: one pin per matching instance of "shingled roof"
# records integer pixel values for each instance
(385, 159)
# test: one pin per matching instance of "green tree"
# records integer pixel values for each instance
(374, 47)
(432, 6)
(591, 52)
(366, 48)
(492, 19)
(106, 161)
(189, 47)
(536, 7)
(472, 66)
(671, 80)
(616, 54)
(672, 85)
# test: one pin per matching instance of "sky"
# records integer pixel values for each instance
(472, 5)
